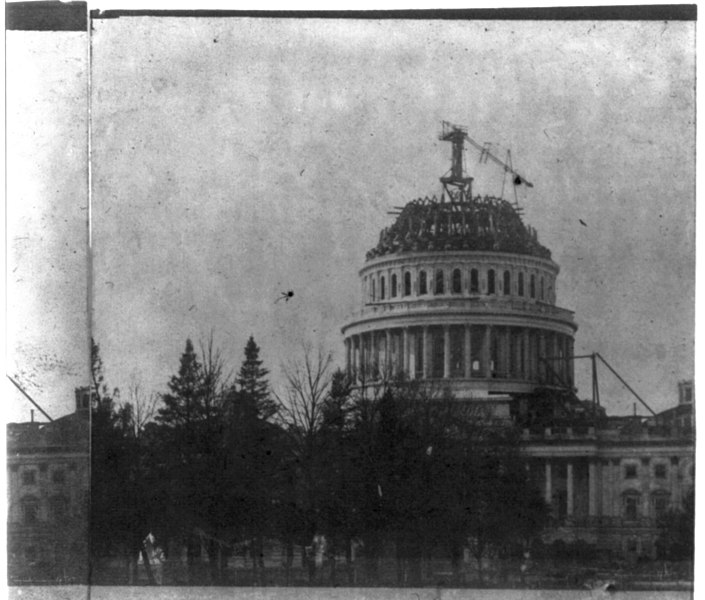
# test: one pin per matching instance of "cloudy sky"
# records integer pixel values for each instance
(235, 159)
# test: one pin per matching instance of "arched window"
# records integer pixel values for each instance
(630, 505)
(520, 284)
(490, 282)
(59, 507)
(373, 291)
(381, 288)
(439, 282)
(30, 510)
(474, 281)
(393, 286)
(532, 286)
(541, 294)
(423, 289)
(507, 283)
(457, 282)
(407, 284)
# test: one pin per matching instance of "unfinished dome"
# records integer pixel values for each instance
(479, 224)
(459, 293)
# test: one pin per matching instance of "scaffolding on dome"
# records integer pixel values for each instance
(484, 223)
(459, 220)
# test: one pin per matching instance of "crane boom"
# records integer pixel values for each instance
(500, 162)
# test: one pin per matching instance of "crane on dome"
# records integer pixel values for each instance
(455, 183)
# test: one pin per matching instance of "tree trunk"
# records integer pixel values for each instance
(332, 563)
(213, 562)
(147, 566)
(311, 563)
(191, 559)
(348, 561)
(400, 562)
(289, 561)
(456, 562)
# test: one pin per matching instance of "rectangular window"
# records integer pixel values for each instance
(630, 472)
(660, 471)
(58, 476)
(29, 477)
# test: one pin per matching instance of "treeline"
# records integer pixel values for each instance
(223, 462)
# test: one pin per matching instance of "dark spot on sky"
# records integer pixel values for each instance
(215, 40)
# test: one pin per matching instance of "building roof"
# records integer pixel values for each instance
(65, 434)
(479, 224)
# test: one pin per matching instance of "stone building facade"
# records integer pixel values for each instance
(48, 496)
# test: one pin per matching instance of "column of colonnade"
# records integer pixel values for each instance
(595, 505)
(520, 352)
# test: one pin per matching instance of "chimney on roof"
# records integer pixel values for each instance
(83, 399)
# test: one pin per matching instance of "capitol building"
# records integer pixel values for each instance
(460, 295)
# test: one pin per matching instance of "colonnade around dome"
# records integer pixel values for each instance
(461, 352)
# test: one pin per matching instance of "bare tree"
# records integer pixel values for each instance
(216, 379)
(143, 405)
(301, 413)
(307, 384)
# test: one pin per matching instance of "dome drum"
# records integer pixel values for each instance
(424, 275)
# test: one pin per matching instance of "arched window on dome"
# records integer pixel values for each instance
(541, 294)
(407, 284)
(474, 281)
(439, 282)
(373, 292)
(381, 288)
(457, 282)
(423, 288)
(393, 286)
(490, 282)
(532, 286)
(507, 283)
(520, 284)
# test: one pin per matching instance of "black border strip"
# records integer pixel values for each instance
(46, 16)
(645, 12)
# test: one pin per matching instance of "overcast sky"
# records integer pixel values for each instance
(236, 159)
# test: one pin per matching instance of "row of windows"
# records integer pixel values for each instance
(660, 471)
(58, 509)
(631, 502)
(29, 476)
(437, 282)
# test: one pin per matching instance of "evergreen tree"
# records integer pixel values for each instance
(254, 392)
(181, 405)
